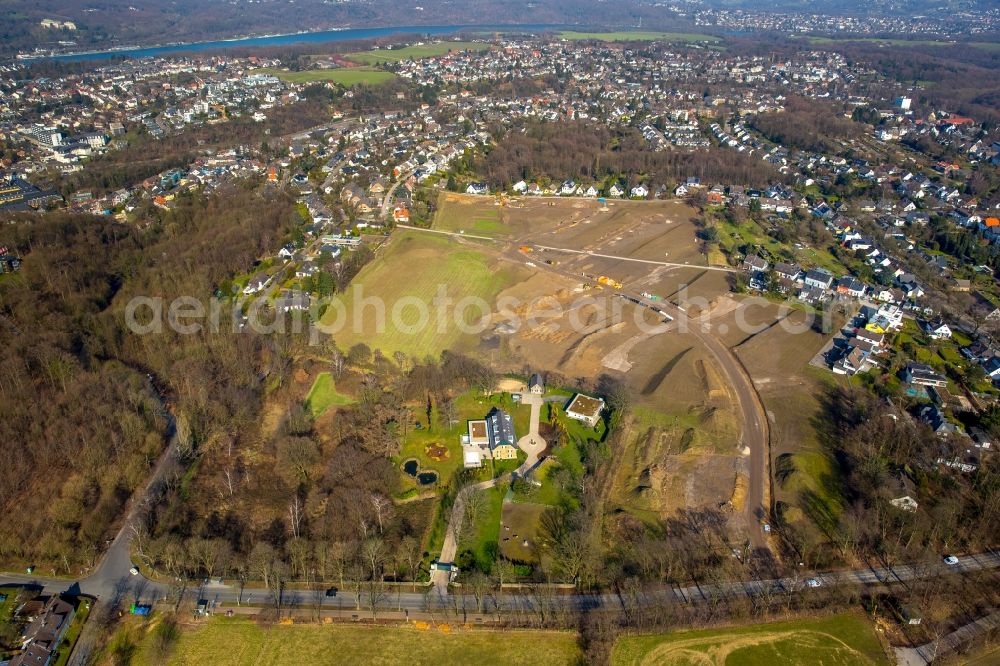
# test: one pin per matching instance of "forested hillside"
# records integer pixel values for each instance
(83, 422)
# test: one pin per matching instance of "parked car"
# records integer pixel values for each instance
(331, 592)
(134, 571)
(812, 582)
(951, 560)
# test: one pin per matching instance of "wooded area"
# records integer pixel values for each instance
(590, 152)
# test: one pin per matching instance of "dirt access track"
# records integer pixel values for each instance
(577, 252)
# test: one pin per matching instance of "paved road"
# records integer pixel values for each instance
(434, 597)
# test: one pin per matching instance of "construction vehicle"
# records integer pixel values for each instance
(526, 249)
(608, 282)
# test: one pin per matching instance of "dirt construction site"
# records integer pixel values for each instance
(572, 315)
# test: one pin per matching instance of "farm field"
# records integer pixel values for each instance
(842, 640)
(379, 56)
(640, 36)
(348, 76)
(225, 641)
(324, 395)
(405, 279)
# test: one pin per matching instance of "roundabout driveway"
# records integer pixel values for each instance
(532, 443)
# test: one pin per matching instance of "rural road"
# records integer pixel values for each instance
(145, 591)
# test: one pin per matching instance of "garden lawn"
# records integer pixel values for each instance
(233, 641)
(843, 640)
(323, 395)
(468, 406)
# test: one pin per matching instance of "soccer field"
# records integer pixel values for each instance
(840, 640)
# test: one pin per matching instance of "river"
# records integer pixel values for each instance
(278, 40)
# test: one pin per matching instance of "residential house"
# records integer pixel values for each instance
(855, 361)
(935, 419)
(306, 269)
(936, 330)
(818, 279)
(585, 408)
(292, 301)
(477, 188)
(256, 284)
(850, 286)
(920, 374)
(754, 263)
(44, 633)
(789, 272)
(536, 385)
(500, 429)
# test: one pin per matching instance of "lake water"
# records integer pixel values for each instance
(279, 40)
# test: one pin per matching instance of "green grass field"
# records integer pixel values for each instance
(228, 641)
(487, 529)
(640, 36)
(345, 77)
(842, 640)
(324, 395)
(386, 303)
(480, 219)
(380, 56)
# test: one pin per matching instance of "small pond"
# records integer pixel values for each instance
(424, 477)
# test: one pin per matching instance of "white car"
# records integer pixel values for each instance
(951, 560)
(812, 582)
(134, 571)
